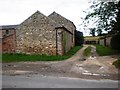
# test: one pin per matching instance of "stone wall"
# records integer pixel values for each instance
(108, 40)
(0, 45)
(0, 40)
(59, 42)
(64, 41)
(105, 42)
(37, 34)
(68, 41)
(8, 41)
(102, 42)
(1, 33)
(64, 22)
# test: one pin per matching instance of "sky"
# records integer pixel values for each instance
(16, 11)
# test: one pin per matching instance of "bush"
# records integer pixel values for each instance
(115, 42)
(117, 63)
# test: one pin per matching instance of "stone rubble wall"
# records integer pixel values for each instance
(105, 42)
(59, 42)
(1, 33)
(0, 45)
(0, 40)
(8, 42)
(108, 40)
(36, 35)
(69, 41)
(64, 22)
(101, 42)
(64, 41)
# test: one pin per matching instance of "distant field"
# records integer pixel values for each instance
(92, 38)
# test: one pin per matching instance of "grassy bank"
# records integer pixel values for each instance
(103, 50)
(87, 51)
(117, 63)
(35, 57)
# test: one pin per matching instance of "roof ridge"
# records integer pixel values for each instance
(33, 15)
(55, 13)
(38, 12)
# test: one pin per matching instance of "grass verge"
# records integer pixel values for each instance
(36, 57)
(103, 50)
(0, 57)
(87, 51)
(117, 63)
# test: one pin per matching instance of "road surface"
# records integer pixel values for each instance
(40, 81)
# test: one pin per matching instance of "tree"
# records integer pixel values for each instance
(99, 32)
(116, 26)
(78, 38)
(92, 31)
(104, 15)
(115, 41)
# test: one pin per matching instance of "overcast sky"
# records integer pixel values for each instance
(16, 11)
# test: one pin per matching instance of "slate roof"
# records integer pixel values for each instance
(52, 18)
(8, 27)
(59, 19)
(41, 16)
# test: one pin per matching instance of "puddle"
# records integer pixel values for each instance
(83, 70)
(92, 58)
(94, 74)
(21, 72)
(87, 73)
(79, 65)
(91, 74)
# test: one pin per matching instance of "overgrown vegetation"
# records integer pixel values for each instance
(87, 51)
(103, 50)
(64, 41)
(105, 16)
(35, 57)
(115, 42)
(117, 63)
(79, 39)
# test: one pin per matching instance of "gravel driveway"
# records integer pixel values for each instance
(92, 67)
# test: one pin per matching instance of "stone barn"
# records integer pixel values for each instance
(68, 33)
(52, 35)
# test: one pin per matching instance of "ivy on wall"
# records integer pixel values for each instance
(64, 41)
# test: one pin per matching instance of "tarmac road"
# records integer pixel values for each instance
(40, 81)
